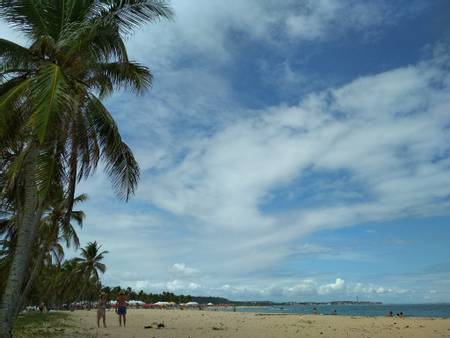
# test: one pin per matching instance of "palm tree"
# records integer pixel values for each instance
(64, 284)
(90, 264)
(52, 231)
(50, 98)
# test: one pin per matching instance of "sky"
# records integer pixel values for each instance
(289, 151)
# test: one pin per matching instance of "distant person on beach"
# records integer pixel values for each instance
(315, 311)
(122, 308)
(42, 308)
(101, 309)
(390, 314)
(334, 312)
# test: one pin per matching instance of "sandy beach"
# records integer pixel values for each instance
(194, 324)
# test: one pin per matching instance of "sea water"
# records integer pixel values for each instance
(410, 310)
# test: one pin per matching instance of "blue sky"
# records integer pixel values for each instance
(290, 150)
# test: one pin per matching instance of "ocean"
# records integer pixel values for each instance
(410, 310)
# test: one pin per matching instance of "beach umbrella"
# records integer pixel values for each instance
(162, 303)
(191, 303)
(209, 304)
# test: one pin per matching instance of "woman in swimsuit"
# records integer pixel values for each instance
(101, 309)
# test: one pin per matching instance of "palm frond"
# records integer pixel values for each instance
(12, 112)
(78, 216)
(81, 198)
(51, 97)
(13, 56)
(94, 41)
(100, 267)
(27, 16)
(121, 165)
(49, 169)
(10, 92)
(129, 15)
(126, 74)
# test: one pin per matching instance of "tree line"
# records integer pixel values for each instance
(55, 130)
(149, 298)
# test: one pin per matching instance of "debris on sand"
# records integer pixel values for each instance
(219, 327)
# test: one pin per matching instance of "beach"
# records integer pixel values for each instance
(197, 324)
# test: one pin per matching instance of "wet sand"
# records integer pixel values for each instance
(197, 324)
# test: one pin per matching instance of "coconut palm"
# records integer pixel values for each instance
(63, 282)
(50, 98)
(90, 263)
(53, 230)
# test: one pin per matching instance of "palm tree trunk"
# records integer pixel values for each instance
(30, 282)
(82, 292)
(27, 224)
(72, 178)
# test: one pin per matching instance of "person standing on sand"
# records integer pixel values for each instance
(122, 308)
(101, 309)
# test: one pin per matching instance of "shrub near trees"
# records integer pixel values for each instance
(54, 129)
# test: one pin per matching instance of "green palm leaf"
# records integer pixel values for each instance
(27, 16)
(51, 98)
(13, 57)
(127, 74)
(120, 163)
(129, 15)
(11, 93)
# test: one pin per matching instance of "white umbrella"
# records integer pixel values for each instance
(162, 303)
(191, 303)
(209, 304)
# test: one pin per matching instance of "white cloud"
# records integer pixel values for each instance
(203, 29)
(387, 140)
(324, 19)
(313, 22)
(338, 285)
(181, 269)
(304, 289)
(306, 286)
(182, 286)
(309, 248)
(360, 288)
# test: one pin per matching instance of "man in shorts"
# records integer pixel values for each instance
(122, 308)
(101, 309)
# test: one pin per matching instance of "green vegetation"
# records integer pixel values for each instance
(146, 297)
(41, 324)
(69, 281)
(54, 129)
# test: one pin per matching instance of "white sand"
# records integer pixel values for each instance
(197, 324)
